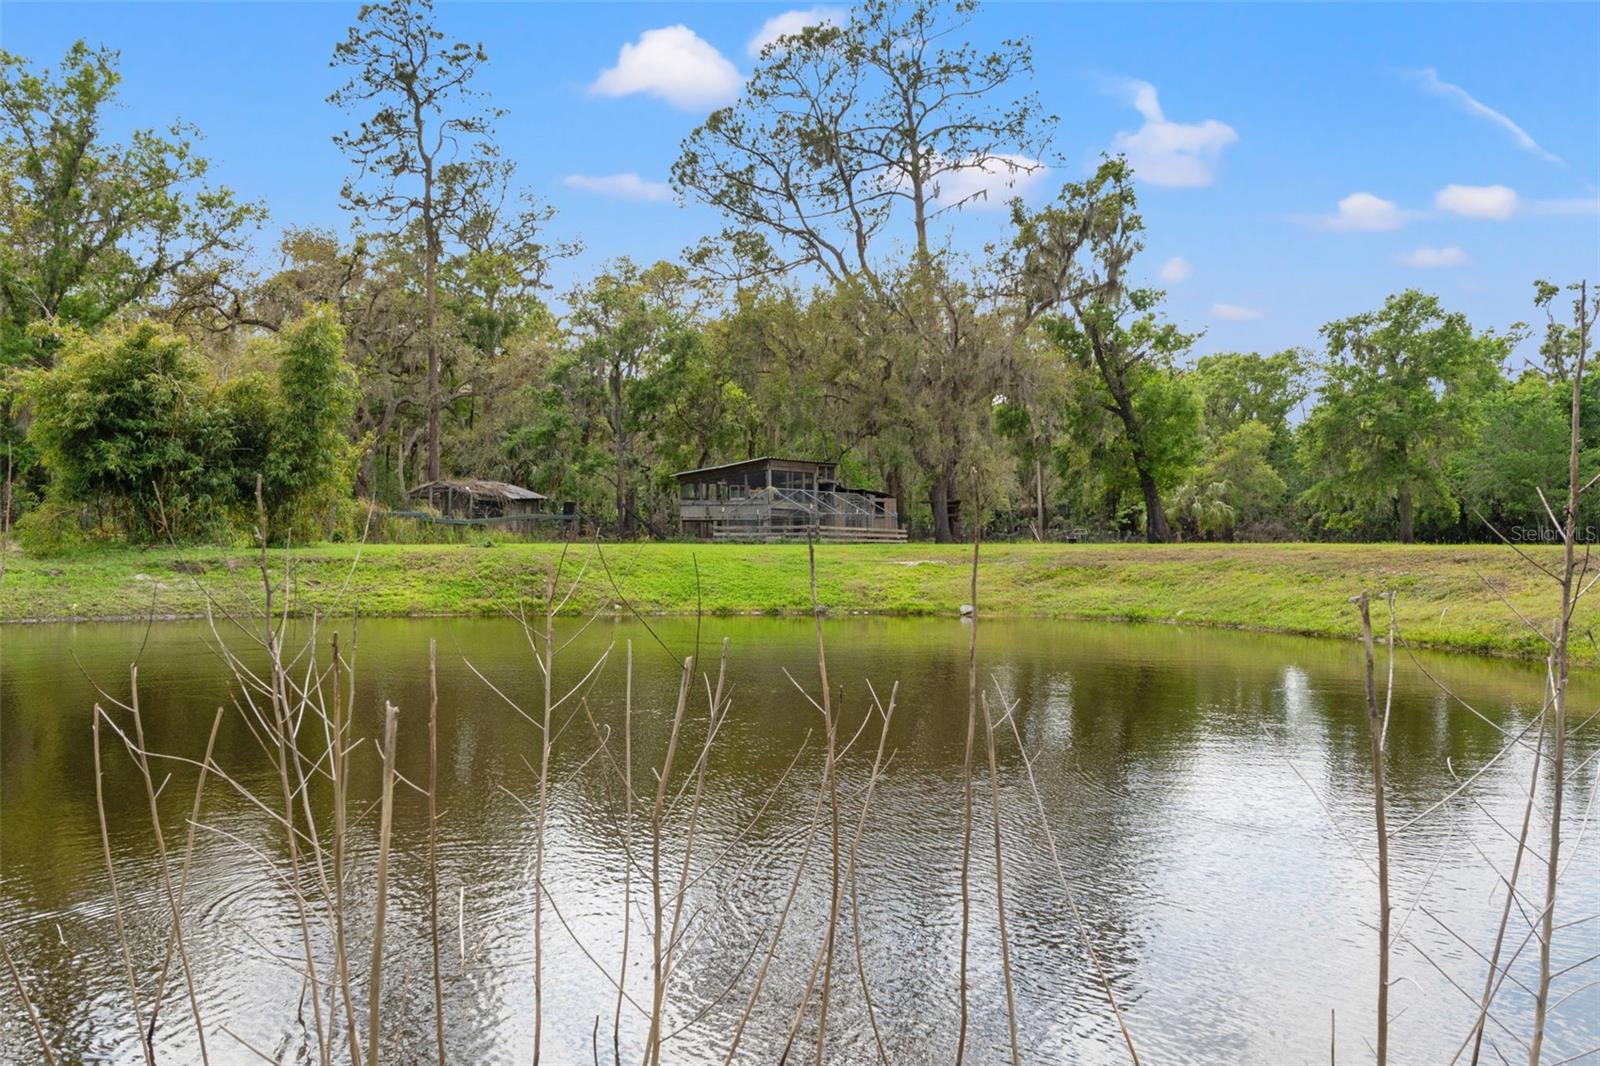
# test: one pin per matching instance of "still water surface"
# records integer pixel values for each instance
(1209, 793)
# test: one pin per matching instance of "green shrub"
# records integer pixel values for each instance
(131, 422)
(52, 528)
(127, 421)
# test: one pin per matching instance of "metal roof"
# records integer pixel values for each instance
(752, 462)
(481, 487)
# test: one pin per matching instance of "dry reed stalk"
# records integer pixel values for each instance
(173, 904)
(433, 842)
(832, 771)
(816, 968)
(27, 1004)
(338, 764)
(1000, 883)
(547, 666)
(385, 826)
(183, 872)
(283, 733)
(308, 698)
(284, 737)
(855, 842)
(713, 722)
(1476, 1035)
(1375, 728)
(783, 918)
(1559, 667)
(116, 898)
(1072, 900)
(257, 1052)
(966, 786)
(676, 949)
(658, 910)
(627, 852)
(745, 830)
(822, 962)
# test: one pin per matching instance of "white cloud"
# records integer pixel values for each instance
(1175, 270)
(675, 64)
(990, 184)
(1170, 153)
(1234, 313)
(621, 186)
(790, 23)
(1430, 258)
(1497, 202)
(1431, 81)
(1365, 212)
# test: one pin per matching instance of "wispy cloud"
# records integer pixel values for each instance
(790, 23)
(674, 64)
(1365, 212)
(1433, 258)
(1163, 152)
(1429, 77)
(1176, 270)
(1235, 313)
(621, 187)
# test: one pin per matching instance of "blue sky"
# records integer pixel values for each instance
(1300, 160)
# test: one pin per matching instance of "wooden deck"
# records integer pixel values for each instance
(778, 515)
(746, 534)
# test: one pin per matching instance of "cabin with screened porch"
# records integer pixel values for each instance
(481, 502)
(771, 499)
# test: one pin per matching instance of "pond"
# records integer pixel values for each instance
(1207, 796)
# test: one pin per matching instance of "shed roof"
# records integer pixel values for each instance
(755, 462)
(503, 490)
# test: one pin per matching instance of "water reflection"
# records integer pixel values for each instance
(1208, 793)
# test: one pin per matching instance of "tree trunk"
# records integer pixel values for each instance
(624, 512)
(624, 518)
(366, 477)
(1038, 488)
(1156, 528)
(939, 500)
(896, 488)
(1403, 509)
(431, 279)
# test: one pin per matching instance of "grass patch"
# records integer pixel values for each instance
(1450, 597)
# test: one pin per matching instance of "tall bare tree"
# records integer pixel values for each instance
(841, 125)
(1558, 666)
(424, 148)
(843, 130)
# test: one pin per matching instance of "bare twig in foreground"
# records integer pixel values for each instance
(1000, 883)
(1375, 721)
(1559, 667)
(22, 994)
(385, 825)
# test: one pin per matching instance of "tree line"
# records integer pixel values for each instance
(159, 372)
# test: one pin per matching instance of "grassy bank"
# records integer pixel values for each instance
(1445, 596)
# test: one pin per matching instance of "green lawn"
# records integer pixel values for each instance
(1449, 597)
